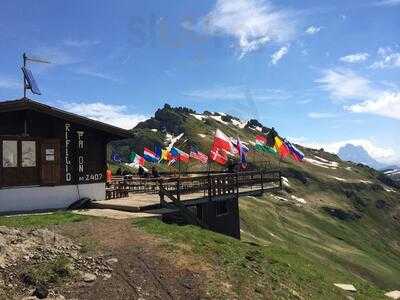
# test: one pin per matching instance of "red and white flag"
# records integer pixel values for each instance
(223, 142)
(221, 146)
(219, 156)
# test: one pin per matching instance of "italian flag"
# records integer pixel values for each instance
(137, 159)
(261, 140)
(261, 145)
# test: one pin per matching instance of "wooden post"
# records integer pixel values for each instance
(178, 187)
(209, 186)
(280, 180)
(262, 182)
(237, 184)
(161, 193)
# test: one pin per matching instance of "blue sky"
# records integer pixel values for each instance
(322, 72)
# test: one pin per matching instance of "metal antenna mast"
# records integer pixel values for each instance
(25, 60)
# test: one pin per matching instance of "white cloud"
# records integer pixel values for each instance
(380, 153)
(252, 23)
(321, 115)
(347, 86)
(238, 93)
(313, 30)
(116, 115)
(388, 59)
(9, 83)
(343, 84)
(387, 3)
(387, 104)
(277, 56)
(355, 58)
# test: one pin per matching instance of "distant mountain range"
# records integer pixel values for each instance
(358, 154)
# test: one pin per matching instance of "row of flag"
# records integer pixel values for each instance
(222, 148)
(273, 144)
(167, 155)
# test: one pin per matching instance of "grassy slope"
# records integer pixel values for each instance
(363, 249)
(258, 270)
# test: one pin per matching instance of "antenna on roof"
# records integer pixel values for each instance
(29, 80)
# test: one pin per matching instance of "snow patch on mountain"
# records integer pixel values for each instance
(281, 198)
(323, 163)
(392, 172)
(298, 199)
(257, 128)
(365, 181)
(339, 178)
(285, 181)
(199, 117)
(322, 159)
(219, 119)
(238, 123)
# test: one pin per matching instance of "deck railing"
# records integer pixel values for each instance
(208, 185)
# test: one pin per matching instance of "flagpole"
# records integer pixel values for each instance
(179, 165)
(209, 162)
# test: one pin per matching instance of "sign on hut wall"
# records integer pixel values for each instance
(83, 156)
(68, 168)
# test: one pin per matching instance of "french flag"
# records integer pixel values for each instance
(150, 156)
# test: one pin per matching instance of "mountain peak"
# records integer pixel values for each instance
(358, 154)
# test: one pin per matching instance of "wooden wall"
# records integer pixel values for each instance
(82, 149)
(227, 223)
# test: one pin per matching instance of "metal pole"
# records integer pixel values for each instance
(23, 75)
(179, 165)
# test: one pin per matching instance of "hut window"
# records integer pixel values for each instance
(10, 154)
(28, 150)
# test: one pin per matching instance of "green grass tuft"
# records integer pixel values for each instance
(41, 220)
(48, 273)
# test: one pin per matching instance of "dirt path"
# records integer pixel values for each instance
(143, 271)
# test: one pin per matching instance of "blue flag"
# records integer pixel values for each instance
(242, 153)
(158, 151)
(116, 158)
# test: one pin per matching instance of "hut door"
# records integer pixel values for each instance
(50, 162)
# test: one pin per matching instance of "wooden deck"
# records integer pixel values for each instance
(139, 195)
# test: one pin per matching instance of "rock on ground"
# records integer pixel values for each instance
(393, 294)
